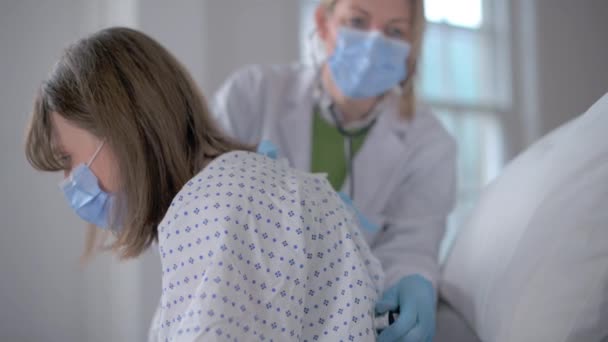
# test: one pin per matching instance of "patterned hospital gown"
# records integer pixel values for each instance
(253, 250)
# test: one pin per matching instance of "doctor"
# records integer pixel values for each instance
(355, 117)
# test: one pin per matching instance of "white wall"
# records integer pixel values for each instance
(39, 241)
(559, 60)
(245, 32)
(44, 296)
(572, 41)
(214, 37)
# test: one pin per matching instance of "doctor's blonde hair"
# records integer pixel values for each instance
(125, 88)
(408, 97)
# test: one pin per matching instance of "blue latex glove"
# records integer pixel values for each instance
(268, 149)
(415, 300)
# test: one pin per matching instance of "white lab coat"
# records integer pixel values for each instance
(404, 172)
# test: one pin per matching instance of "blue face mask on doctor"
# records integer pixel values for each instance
(367, 64)
(81, 190)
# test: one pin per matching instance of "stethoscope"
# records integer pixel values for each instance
(348, 135)
(349, 145)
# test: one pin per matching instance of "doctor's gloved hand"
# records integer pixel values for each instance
(268, 149)
(415, 299)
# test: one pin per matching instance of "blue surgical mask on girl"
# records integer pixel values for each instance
(85, 197)
(367, 64)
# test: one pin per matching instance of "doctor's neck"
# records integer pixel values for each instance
(351, 109)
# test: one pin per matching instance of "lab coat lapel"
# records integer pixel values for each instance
(295, 127)
(377, 161)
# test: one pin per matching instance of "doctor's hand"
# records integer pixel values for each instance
(268, 149)
(414, 298)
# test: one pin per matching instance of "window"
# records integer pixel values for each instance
(464, 77)
(463, 13)
(307, 30)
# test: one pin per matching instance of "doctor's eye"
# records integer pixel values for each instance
(395, 32)
(358, 23)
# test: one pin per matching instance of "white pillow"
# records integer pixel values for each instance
(532, 262)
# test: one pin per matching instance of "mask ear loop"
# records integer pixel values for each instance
(100, 243)
(96, 153)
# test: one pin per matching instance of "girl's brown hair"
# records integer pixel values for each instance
(408, 98)
(125, 88)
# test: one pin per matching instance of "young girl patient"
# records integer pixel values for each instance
(250, 248)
